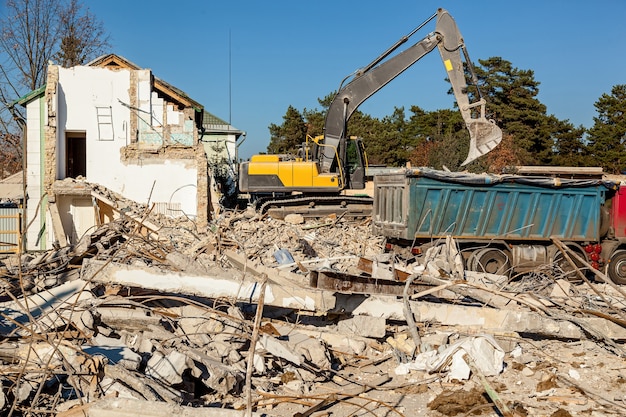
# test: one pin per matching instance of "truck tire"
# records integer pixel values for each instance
(565, 269)
(492, 261)
(616, 268)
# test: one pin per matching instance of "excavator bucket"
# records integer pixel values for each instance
(484, 136)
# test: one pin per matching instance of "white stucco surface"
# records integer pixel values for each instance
(34, 174)
(82, 90)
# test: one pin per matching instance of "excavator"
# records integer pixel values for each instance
(318, 180)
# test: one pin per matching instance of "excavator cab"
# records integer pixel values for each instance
(356, 164)
(353, 166)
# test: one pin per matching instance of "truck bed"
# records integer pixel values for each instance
(425, 203)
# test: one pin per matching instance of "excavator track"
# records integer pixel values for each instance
(317, 206)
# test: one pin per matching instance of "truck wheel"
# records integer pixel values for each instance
(564, 267)
(492, 261)
(617, 267)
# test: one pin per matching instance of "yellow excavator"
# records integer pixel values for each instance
(315, 182)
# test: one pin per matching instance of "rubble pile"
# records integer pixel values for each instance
(150, 316)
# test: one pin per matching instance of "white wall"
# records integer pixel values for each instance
(81, 90)
(34, 174)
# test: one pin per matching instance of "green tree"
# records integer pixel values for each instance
(607, 136)
(511, 95)
(315, 118)
(440, 138)
(288, 137)
(569, 147)
(382, 138)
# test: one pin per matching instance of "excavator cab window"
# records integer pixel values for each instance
(355, 163)
(352, 155)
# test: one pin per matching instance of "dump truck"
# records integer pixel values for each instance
(505, 224)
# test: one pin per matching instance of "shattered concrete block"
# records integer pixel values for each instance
(47, 308)
(42, 354)
(365, 326)
(278, 349)
(184, 263)
(114, 388)
(220, 349)
(562, 289)
(86, 321)
(127, 318)
(338, 341)
(168, 369)
(200, 330)
(145, 346)
(258, 361)
(294, 218)
(214, 375)
(345, 343)
(233, 356)
(23, 391)
(434, 341)
(312, 349)
(137, 341)
(115, 351)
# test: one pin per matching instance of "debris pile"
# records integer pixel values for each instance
(149, 315)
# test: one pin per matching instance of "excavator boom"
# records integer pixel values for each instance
(484, 134)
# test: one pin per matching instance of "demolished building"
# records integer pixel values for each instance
(116, 124)
(128, 308)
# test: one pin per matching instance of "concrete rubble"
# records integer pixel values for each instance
(254, 316)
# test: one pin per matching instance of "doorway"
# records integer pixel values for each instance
(76, 154)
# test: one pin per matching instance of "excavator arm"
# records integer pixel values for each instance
(484, 134)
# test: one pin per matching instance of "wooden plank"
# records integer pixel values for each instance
(552, 170)
(367, 266)
(57, 224)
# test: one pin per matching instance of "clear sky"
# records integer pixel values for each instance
(246, 61)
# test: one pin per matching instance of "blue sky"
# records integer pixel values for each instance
(246, 61)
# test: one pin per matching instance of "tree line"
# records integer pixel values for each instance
(440, 139)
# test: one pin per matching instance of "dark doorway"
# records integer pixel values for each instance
(76, 161)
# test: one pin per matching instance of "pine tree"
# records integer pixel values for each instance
(440, 138)
(288, 137)
(607, 137)
(512, 102)
(569, 146)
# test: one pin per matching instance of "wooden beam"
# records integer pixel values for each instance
(57, 224)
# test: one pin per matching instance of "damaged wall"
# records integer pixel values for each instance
(36, 113)
(113, 128)
(104, 115)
